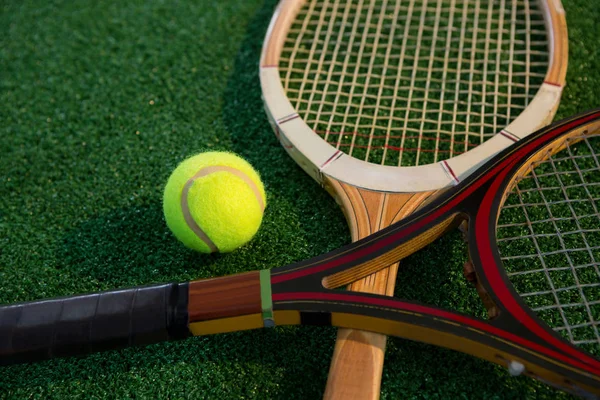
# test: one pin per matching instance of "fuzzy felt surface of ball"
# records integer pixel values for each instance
(214, 202)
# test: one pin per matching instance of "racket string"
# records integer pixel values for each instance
(549, 240)
(411, 82)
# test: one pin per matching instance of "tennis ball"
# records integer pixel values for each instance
(214, 201)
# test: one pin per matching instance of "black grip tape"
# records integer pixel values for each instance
(94, 322)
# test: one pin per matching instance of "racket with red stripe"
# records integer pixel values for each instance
(387, 102)
(533, 213)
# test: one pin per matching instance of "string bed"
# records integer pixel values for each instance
(549, 239)
(413, 82)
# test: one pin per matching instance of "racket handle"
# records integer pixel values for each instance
(83, 324)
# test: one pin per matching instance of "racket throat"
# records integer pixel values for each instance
(408, 242)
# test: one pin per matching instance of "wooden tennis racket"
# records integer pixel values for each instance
(533, 213)
(386, 102)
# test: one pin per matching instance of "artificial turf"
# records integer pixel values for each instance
(99, 102)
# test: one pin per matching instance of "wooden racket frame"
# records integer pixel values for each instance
(374, 196)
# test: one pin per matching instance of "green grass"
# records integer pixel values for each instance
(99, 102)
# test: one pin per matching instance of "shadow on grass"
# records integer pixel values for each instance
(256, 358)
(315, 218)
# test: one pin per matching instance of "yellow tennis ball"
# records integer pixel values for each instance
(214, 201)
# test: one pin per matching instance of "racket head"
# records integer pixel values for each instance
(549, 238)
(295, 124)
(541, 265)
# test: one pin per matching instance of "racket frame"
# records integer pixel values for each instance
(318, 158)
